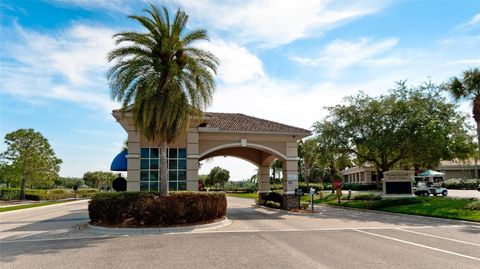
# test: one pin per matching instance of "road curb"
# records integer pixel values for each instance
(162, 230)
(46, 206)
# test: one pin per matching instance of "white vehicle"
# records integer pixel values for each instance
(430, 182)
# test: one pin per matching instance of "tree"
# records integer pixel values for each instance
(308, 153)
(30, 154)
(161, 78)
(468, 88)
(217, 175)
(415, 126)
(99, 179)
(9, 175)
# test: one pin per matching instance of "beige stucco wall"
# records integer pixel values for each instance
(258, 148)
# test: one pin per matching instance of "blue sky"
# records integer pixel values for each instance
(280, 60)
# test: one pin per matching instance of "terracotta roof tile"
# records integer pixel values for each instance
(241, 122)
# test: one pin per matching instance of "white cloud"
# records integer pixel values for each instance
(69, 65)
(237, 64)
(470, 24)
(277, 22)
(109, 5)
(340, 54)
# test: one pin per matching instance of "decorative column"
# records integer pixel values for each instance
(290, 177)
(133, 160)
(263, 182)
(192, 159)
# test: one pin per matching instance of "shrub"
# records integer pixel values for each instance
(272, 204)
(368, 196)
(393, 202)
(306, 189)
(33, 197)
(8, 194)
(359, 187)
(274, 187)
(273, 197)
(459, 183)
(304, 206)
(86, 193)
(151, 209)
(475, 205)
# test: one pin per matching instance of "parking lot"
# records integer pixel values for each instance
(54, 237)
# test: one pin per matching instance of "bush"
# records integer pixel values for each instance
(8, 194)
(359, 187)
(393, 202)
(32, 197)
(272, 204)
(273, 197)
(460, 183)
(475, 205)
(368, 196)
(306, 189)
(86, 193)
(151, 209)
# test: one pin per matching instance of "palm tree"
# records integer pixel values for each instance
(161, 78)
(468, 88)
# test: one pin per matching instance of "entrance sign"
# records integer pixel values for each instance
(398, 182)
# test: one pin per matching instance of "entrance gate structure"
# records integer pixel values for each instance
(252, 139)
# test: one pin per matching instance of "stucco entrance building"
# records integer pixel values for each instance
(252, 139)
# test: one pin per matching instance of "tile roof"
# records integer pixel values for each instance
(241, 122)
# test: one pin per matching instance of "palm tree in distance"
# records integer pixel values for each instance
(161, 78)
(468, 88)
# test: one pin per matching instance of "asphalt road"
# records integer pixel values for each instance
(52, 237)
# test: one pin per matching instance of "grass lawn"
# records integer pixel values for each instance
(251, 195)
(11, 208)
(442, 207)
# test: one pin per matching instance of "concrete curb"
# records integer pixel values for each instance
(287, 212)
(162, 230)
(46, 206)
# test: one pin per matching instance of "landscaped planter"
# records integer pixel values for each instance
(146, 209)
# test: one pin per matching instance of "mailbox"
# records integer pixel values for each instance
(298, 192)
(312, 191)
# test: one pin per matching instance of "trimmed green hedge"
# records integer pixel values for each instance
(137, 209)
(460, 183)
(37, 195)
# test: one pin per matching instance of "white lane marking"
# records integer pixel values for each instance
(418, 245)
(440, 237)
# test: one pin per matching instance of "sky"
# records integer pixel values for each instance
(280, 60)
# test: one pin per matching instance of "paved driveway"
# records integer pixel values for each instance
(50, 237)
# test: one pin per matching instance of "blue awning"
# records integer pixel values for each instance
(119, 163)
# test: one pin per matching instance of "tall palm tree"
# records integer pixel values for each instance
(161, 78)
(468, 88)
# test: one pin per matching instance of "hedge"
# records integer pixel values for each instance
(149, 209)
(460, 183)
(37, 195)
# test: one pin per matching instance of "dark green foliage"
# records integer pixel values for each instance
(274, 197)
(306, 189)
(151, 209)
(8, 194)
(272, 204)
(359, 187)
(32, 197)
(460, 183)
(368, 196)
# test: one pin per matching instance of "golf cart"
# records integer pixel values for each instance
(430, 182)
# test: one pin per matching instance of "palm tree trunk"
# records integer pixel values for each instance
(477, 172)
(163, 169)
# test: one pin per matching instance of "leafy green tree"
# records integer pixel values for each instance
(30, 155)
(413, 126)
(309, 156)
(217, 175)
(161, 78)
(99, 179)
(9, 175)
(467, 87)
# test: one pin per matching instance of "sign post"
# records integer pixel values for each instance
(312, 192)
(337, 183)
